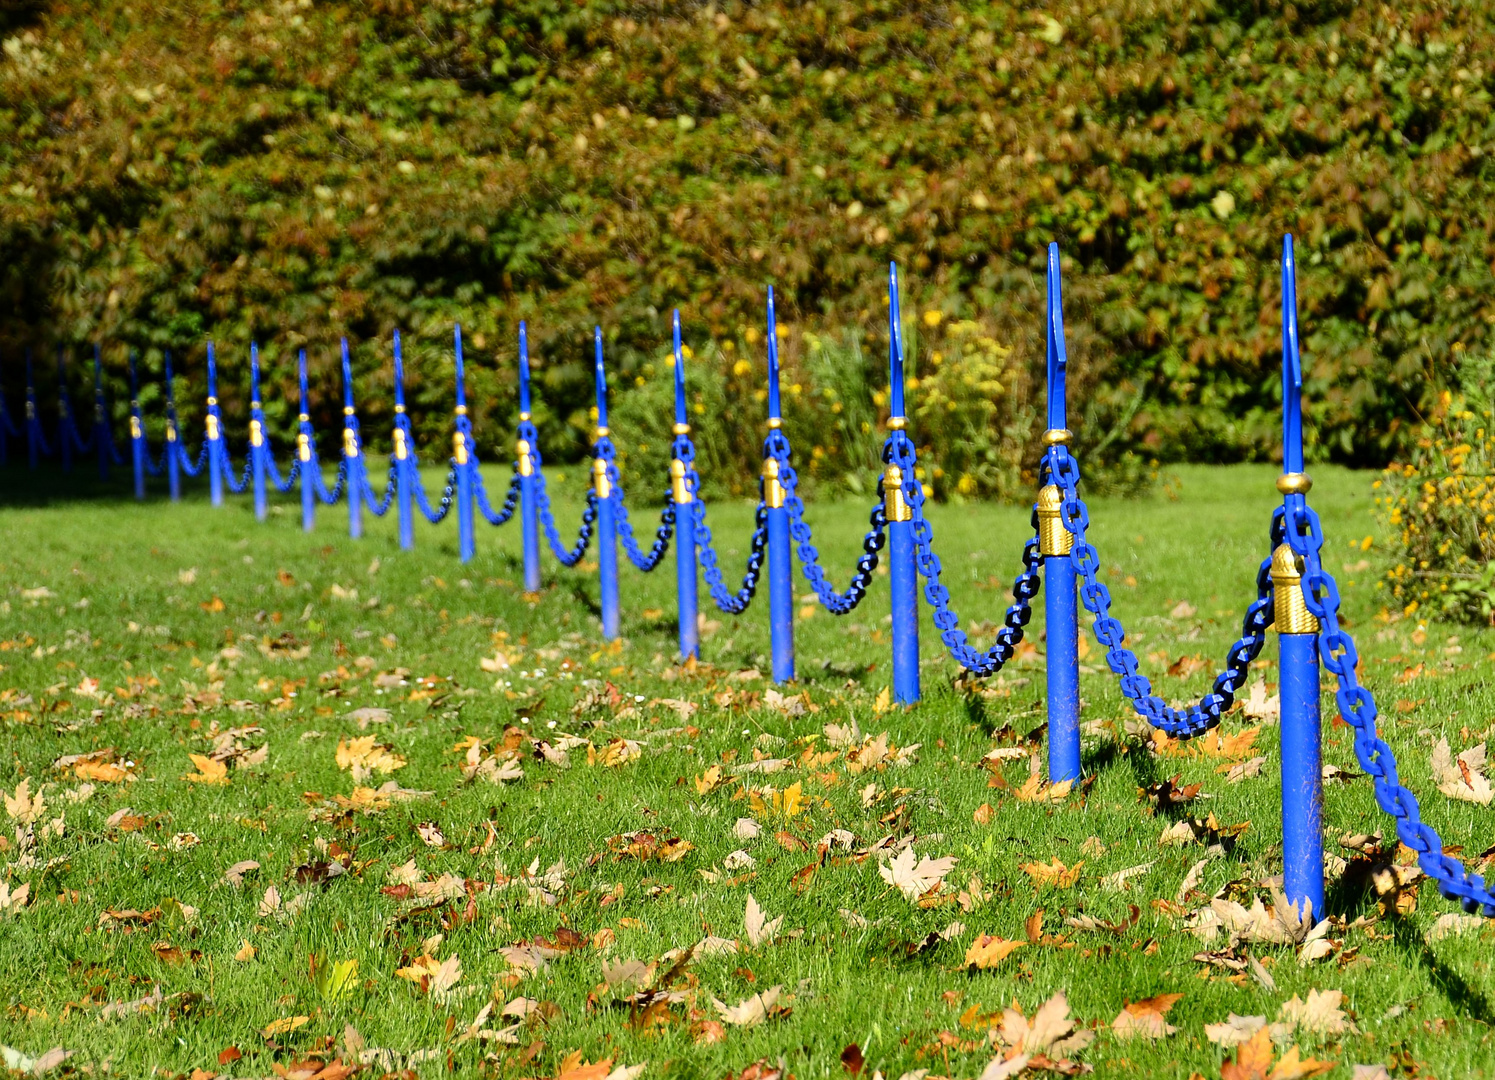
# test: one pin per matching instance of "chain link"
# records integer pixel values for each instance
(725, 600)
(435, 517)
(227, 462)
(1297, 523)
(379, 505)
(899, 451)
(573, 556)
(776, 446)
(321, 487)
(604, 449)
(1061, 468)
(480, 496)
(202, 457)
(282, 484)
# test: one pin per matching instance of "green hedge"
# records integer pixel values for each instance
(298, 171)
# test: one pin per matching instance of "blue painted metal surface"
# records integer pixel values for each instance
(34, 437)
(687, 576)
(137, 431)
(306, 451)
(173, 436)
(1061, 614)
(462, 448)
(607, 525)
(102, 438)
(404, 454)
(903, 574)
(1302, 774)
(258, 445)
(352, 450)
(529, 521)
(214, 433)
(780, 557)
(67, 434)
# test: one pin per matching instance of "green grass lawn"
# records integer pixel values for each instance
(166, 631)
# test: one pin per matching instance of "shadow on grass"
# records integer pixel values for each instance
(50, 486)
(1470, 1001)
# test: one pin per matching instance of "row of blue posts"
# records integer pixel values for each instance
(1296, 595)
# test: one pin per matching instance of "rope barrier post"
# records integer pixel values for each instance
(351, 451)
(780, 558)
(214, 432)
(607, 527)
(306, 448)
(404, 465)
(903, 574)
(687, 578)
(462, 456)
(173, 475)
(529, 528)
(1055, 542)
(257, 448)
(65, 433)
(1297, 634)
(103, 440)
(137, 432)
(33, 421)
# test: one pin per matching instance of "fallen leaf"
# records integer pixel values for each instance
(1235, 1030)
(1053, 873)
(234, 875)
(1144, 1019)
(246, 953)
(750, 1011)
(914, 877)
(1462, 777)
(759, 930)
(284, 1025)
(987, 951)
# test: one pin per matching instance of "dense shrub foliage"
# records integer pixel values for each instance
(1440, 504)
(296, 171)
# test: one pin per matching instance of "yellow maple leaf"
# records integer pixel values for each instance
(709, 781)
(987, 951)
(285, 1024)
(791, 801)
(1053, 873)
(208, 771)
(366, 752)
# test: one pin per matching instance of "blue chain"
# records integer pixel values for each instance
(435, 517)
(604, 449)
(542, 506)
(899, 450)
(320, 486)
(726, 601)
(1299, 525)
(157, 467)
(503, 514)
(285, 484)
(185, 458)
(1062, 469)
(41, 439)
(378, 505)
(228, 469)
(777, 447)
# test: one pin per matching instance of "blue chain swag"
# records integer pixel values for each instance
(1061, 468)
(448, 493)
(567, 557)
(726, 601)
(378, 505)
(503, 514)
(603, 448)
(899, 451)
(1299, 526)
(776, 446)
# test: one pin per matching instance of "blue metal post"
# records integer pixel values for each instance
(33, 421)
(1061, 616)
(102, 437)
(903, 576)
(352, 451)
(529, 521)
(306, 453)
(173, 447)
(687, 577)
(607, 536)
(404, 462)
(1297, 629)
(257, 448)
(214, 432)
(66, 429)
(780, 558)
(137, 431)
(462, 456)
